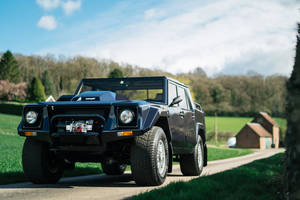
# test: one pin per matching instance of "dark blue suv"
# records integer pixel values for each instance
(145, 122)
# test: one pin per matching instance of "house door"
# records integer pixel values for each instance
(268, 142)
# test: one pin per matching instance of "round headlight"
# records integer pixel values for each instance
(31, 117)
(126, 116)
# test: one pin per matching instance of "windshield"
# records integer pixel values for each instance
(146, 89)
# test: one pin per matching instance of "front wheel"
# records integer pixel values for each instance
(39, 164)
(192, 164)
(150, 158)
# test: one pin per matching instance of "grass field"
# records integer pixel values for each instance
(258, 180)
(11, 150)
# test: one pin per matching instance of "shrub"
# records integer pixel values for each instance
(36, 90)
(11, 91)
(116, 73)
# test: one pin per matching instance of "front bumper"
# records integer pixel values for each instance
(90, 141)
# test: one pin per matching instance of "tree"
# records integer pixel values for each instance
(36, 90)
(116, 73)
(48, 84)
(9, 68)
(199, 72)
(292, 155)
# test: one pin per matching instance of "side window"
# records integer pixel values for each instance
(172, 92)
(181, 93)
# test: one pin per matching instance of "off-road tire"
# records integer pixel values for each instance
(39, 165)
(189, 164)
(144, 157)
(113, 169)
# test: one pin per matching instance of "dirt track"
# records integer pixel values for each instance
(109, 188)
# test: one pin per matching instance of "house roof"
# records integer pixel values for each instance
(259, 130)
(268, 118)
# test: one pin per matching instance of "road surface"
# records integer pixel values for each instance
(112, 187)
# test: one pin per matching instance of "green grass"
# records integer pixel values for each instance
(11, 151)
(226, 124)
(259, 180)
(222, 153)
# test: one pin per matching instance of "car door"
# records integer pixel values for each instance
(188, 119)
(175, 120)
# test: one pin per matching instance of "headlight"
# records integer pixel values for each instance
(31, 117)
(126, 116)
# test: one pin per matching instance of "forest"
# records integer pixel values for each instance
(224, 95)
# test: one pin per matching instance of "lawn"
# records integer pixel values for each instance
(11, 151)
(222, 153)
(258, 180)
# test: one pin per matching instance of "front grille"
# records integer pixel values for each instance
(59, 122)
(60, 116)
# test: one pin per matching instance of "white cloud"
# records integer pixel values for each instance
(70, 6)
(220, 36)
(153, 13)
(47, 22)
(48, 4)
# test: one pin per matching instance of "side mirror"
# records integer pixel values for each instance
(176, 100)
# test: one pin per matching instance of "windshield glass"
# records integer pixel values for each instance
(146, 89)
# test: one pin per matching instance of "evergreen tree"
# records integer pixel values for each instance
(36, 90)
(9, 68)
(292, 154)
(48, 84)
(116, 73)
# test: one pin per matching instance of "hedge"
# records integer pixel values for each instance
(9, 108)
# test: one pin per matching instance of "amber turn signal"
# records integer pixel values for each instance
(125, 133)
(30, 133)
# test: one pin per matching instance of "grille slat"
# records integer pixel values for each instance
(60, 115)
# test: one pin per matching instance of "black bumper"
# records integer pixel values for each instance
(84, 142)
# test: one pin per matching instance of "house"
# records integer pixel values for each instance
(262, 132)
(270, 125)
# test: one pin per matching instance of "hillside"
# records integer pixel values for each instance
(242, 95)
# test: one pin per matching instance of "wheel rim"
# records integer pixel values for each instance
(200, 161)
(161, 158)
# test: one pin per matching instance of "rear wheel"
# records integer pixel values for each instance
(113, 169)
(39, 164)
(150, 157)
(192, 164)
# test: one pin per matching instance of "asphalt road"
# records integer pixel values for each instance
(112, 187)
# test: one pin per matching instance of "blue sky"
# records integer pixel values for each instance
(221, 36)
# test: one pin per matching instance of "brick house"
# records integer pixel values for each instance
(262, 132)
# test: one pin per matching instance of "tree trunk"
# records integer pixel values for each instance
(292, 155)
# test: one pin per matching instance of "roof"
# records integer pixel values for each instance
(259, 130)
(268, 118)
(144, 77)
